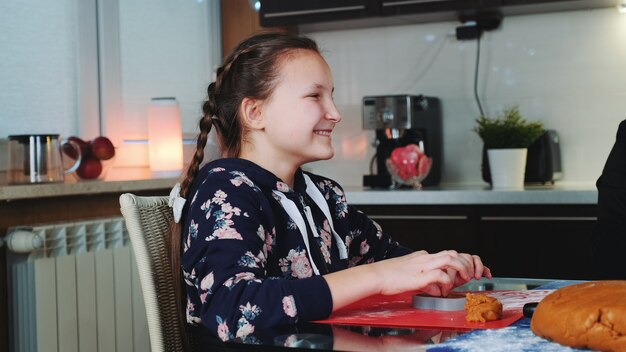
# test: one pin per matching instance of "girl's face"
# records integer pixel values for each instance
(300, 114)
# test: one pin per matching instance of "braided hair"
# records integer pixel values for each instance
(250, 70)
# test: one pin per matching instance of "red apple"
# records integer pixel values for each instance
(70, 149)
(89, 168)
(102, 148)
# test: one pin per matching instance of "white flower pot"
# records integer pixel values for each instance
(507, 168)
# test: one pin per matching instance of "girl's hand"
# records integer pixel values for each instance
(480, 271)
(434, 274)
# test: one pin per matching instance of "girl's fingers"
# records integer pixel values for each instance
(452, 274)
(487, 273)
(439, 283)
(439, 273)
(479, 268)
(439, 263)
(432, 290)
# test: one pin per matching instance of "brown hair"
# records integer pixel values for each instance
(251, 70)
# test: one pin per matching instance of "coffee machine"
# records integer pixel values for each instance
(400, 120)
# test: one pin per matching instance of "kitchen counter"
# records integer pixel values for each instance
(122, 180)
(445, 194)
(8, 193)
(457, 194)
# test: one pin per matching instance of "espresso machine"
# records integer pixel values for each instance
(400, 120)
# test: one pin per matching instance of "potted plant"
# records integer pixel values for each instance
(506, 139)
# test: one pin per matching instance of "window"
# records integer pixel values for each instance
(90, 67)
(154, 48)
(40, 74)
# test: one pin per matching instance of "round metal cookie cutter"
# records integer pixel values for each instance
(452, 302)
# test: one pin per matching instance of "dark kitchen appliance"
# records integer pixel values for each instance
(400, 120)
(543, 162)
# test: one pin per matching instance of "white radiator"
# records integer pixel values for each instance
(74, 287)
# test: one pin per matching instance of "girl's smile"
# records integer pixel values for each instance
(325, 133)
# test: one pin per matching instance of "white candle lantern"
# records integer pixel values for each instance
(165, 137)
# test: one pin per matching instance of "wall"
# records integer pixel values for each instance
(565, 69)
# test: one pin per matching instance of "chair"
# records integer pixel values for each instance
(148, 222)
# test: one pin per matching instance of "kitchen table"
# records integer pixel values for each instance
(332, 337)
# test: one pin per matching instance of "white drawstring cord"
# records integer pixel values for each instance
(319, 199)
(294, 214)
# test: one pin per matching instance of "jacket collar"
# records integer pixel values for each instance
(261, 177)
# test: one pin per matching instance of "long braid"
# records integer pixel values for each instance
(212, 114)
(198, 156)
(205, 124)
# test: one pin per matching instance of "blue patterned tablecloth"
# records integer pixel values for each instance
(516, 338)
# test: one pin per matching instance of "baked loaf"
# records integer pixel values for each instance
(591, 315)
(482, 308)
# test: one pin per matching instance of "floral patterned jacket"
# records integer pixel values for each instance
(244, 261)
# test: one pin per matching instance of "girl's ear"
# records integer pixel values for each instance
(251, 113)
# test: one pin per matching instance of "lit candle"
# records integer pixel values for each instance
(165, 137)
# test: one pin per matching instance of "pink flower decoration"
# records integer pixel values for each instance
(222, 331)
(245, 330)
(300, 266)
(289, 306)
(227, 232)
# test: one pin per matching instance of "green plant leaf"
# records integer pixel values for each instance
(508, 130)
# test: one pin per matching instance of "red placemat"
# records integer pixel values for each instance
(397, 311)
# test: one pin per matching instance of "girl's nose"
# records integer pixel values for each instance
(333, 114)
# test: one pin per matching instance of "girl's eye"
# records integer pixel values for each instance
(314, 96)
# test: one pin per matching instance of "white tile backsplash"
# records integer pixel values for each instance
(566, 69)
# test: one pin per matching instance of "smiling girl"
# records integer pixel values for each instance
(265, 243)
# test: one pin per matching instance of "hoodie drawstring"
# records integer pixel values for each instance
(293, 212)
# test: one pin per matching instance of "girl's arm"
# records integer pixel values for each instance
(434, 274)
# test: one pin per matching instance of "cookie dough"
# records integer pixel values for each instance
(591, 315)
(482, 308)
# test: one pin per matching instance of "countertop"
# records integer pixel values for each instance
(126, 180)
(450, 194)
(475, 194)
(132, 180)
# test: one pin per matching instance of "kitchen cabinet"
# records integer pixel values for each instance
(533, 2)
(401, 7)
(537, 241)
(336, 14)
(432, 228)
(289, 12)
